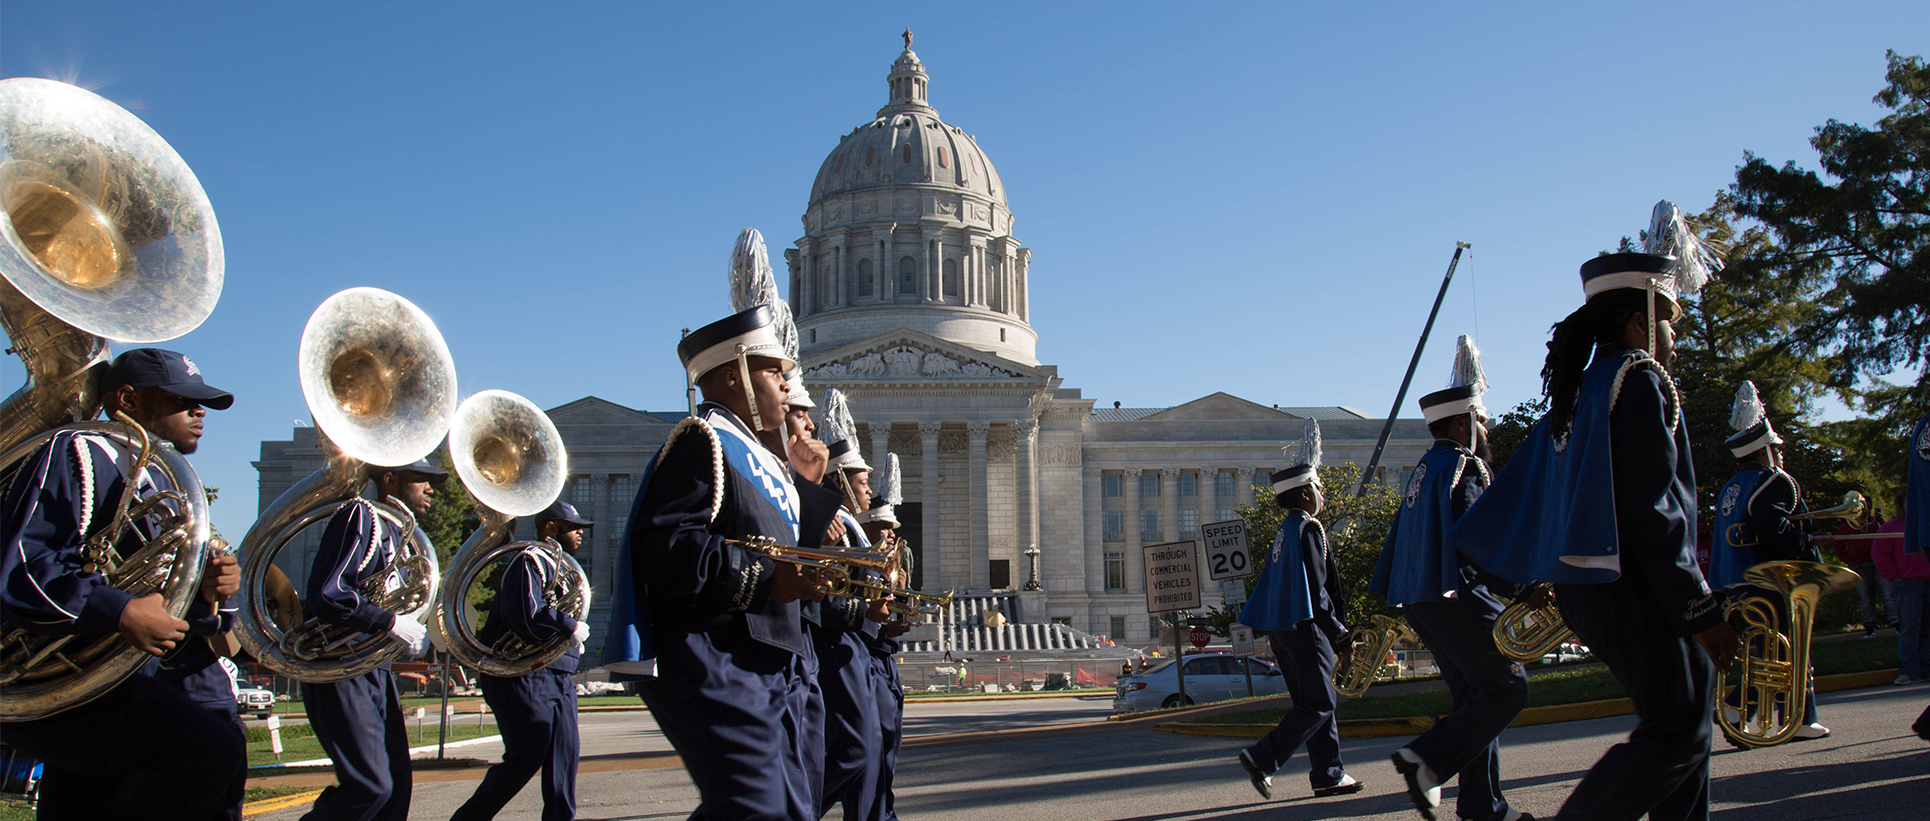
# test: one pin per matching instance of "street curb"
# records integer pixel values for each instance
(272, 804)
(1551, 714)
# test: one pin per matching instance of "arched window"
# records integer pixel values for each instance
(864, 277)
(867, 155)
(907, 153)
(941, 157)
(828, 278)
(908, 275)
(838, 167)
(950, 275)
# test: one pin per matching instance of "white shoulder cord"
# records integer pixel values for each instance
(716, 459)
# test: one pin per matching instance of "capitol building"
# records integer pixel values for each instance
(911, 296)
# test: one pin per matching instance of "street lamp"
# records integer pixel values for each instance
(1032, 554)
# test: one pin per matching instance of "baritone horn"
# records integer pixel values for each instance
(1525, 633)
(511, 460)
(107, 235)
(1370, 646)
(1771, 673)
(382, 387)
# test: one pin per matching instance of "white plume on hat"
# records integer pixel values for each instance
(753, 283)
(1748, 411)
(1669, 235)
(1467, 367)
(1307, 450)
(838, 425)
(891, 488)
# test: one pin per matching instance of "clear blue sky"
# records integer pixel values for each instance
(1258, 199)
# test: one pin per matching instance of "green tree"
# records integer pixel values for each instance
(451, 516)
(1861, 230)
(1506, 434)
(1356, 530)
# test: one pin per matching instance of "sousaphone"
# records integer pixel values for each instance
(107, 236)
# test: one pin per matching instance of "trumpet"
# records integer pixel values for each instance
(1524, 633)
(1370, 646)
(1850, 508)
(833, 566)
(910, 602)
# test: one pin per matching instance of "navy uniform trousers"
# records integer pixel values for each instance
(749, 724)
(359, 723)
(536, 714)
(852, 739)
(1663, 768)
(143, 750)
(871, 799)
(1488, 688)
(1306, 658)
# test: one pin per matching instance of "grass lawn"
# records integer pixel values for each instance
(1591, 683)
(299, 744)
(1084, 691)
(467, 705)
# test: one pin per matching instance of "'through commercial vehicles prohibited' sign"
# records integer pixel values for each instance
(1226, 554)
(1172, 577)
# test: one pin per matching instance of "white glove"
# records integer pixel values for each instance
(413, 636)
(582, 633)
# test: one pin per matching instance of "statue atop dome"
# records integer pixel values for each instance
(907, 38)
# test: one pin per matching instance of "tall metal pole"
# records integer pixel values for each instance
(1400, 398)
(442, 731)
(690, 386)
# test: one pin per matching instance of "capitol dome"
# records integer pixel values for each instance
(908, 227)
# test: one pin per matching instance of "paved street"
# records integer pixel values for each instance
(1873, 768)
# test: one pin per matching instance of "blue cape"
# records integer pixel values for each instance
(1283, 597)
(1550, 513)
(1414, 563)
(1733, 552)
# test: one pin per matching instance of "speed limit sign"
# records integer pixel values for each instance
(1225, 548)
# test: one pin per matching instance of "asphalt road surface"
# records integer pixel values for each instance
(1872, 768)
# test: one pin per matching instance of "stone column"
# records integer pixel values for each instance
(981, 511)
(1135, 560)
(1025, 464)
(887, 272)
(1243, 484)
(840, 289)
(603, 550)
(880, 445)
(1095, 542)
(1209, 494)
(937, 575)
(1169, 505)
(934, 275)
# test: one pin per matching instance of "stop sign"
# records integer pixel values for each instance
(1197, 636)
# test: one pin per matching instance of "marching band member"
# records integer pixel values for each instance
(1451, 604)
(1299, 602)
(732, 687)
(852, 736)
(359, 720)
(875, 801)
(1601, 500)
(151, 747)
(1753, 525)
(536, 713)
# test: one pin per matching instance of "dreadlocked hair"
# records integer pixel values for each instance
(1573, 343)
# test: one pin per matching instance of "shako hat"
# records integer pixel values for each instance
(840, 433)
(751, 333)
(1304, 462)
(1751, 423)
(887, 492)
(1674, 261)
(1465, 386)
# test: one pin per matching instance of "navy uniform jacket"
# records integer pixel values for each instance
(67, 488)
(1753, 526)
(1546, 516)
(356, 548)
(1414, 564)
(522, 608)
(694, 499)
(1299, 583)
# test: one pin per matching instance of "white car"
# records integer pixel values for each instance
(1567, 651)
(254, 700)
(1210, 677)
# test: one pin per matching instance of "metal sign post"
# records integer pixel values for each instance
(1179, 658)
(1173, 586)
(442, 732)
(1242, 650)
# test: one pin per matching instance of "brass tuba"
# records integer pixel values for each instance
(1370, 646)
(107, 235)
(512, 461)
(1524, 633)
(1771, 673)
(382, 387)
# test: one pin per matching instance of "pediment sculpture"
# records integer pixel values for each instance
(908, 361)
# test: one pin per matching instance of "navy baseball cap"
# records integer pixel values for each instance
(561, 511)
(167, 370)
(423, 468)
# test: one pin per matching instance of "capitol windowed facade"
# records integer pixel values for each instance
(910, 292)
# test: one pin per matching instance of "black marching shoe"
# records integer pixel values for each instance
(1426, 796)
(1262, 783)
(1347, 785)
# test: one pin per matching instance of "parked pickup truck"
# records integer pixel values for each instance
(254, 700)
